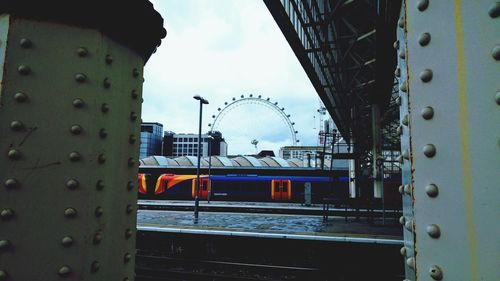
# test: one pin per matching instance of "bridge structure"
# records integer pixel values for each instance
(414, 76)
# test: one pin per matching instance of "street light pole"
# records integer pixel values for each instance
(197, 189)
(210, 140)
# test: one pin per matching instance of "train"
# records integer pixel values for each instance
(254, 188)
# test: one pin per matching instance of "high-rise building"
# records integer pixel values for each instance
(187, 144)
(151, 139)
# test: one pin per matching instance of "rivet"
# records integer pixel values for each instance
(129, 209)
(25, 43)
(20, 97)
(396, 44)
(398, 100)
(497, 98)
(126, 279)
(429, 150)
(433, 230)
(109, 59)
(80, 77)
(75, 156)
(128, 233)
(495, 53)
(424, 39)
(400, 130)
(409, 224)
(426, 75)
(135, 72)
(16, 125)
(406, 154)
(401, 23)
(67, 241)
(11, 183)
(4, 244)
(427, 112)
(130, 185)
(402, 54)
(78, 103)
(106, 83)
(14, 154)
(82, 52)
(400, 159)
(397, 72)
(101, 158)
(405, 120)
(402, 220)
(494, 10)
(24, 69)
(64, 271)
(76, 129)
(131, 162)
(104, 107)
(422, 5)
(99, 185)
(72, 184)
(403, 251)
(103, 133)
(132, 139)
(400, 189)
(435, 272)
(127, 257)
(3, 275)
(411, 262)
(133, 116)
(407, 188)
(134, 94)
(432, 190)
(403, 86)
(98, 211)
(94, 267)
(97, 238)
(6, 214)
(70, 212)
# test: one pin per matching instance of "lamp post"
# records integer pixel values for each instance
(210, 140)
(197, 189)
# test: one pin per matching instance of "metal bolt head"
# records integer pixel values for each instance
(422, 5)
(398, 100)
(129, 209)
(101, 158)
(130, 185)
(134, 94)
(24, 69)
(424, 39)
(103, 133)
(426, 75)
(435, 272)
(106, 83)
(401, 23)
(132, 139)
(133, 116)
(20, 97)
(76, 129)
(131, 162)
(403, 86)
(429, 150)
(78, 103)
(433, 230)
(6, 214)
(127, 257)
(74, 156)
(427, 113)
(402, 54)
(100, 185)
(70, 212)
(409, 225)
(104, 107)
(400, 130)
(80, 77)
(432, 190)
(494, 10)
(497, 98)
(25, 43)
(400, 189)
(407, 188)
(402, 251)
(4, 244)
(135, 72)
(64, 271)
(94, 267)
(405, 120)
(97, 238)
(98, 211)
(72, 184)
(108, 59)
(402, 220)
(67, 241)
(16, 125)
(14, 154)
(82, 52)
(396, 44)
(397, 72)
(11, 183)
(128, 233)
(495, 53)
(411, 262)
(406, 154)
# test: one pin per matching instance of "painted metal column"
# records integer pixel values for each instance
(451, 107)
(376, 152)
(70, 105)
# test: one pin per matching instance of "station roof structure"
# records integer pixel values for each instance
(220, 161)
(346, 49)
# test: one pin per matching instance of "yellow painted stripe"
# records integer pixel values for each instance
(464, 137)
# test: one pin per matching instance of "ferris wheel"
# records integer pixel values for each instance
(236, 103)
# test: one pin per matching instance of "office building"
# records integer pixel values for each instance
(187, 144)
(151, 139)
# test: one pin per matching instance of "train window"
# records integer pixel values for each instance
(285, 188)
(203, 187)
(276, 188)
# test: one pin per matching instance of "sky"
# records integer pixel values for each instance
(222, 49)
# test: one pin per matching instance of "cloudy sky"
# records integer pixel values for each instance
(223, 49)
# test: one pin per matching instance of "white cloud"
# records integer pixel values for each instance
(219, 50)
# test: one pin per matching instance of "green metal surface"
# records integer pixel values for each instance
(70, 102)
